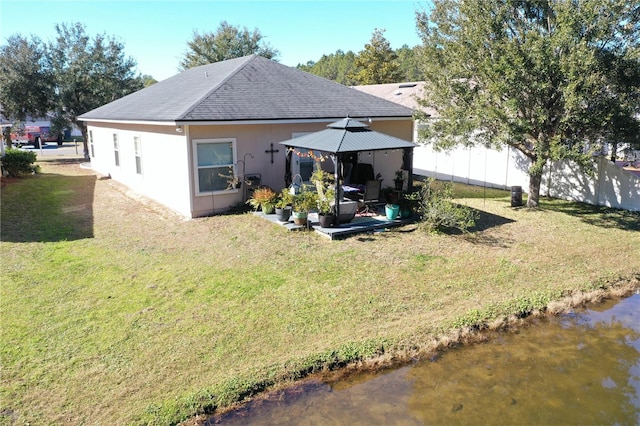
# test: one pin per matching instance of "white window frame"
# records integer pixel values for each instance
(197, 168)
(116, 150)
(137, 150)
(93, 151)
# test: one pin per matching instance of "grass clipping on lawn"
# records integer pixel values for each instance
(115, 310)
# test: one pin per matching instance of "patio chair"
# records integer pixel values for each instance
(370, 197)
(361, 173)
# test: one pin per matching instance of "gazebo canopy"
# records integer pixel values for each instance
(348, 135)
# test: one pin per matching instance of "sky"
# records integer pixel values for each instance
(155, 32)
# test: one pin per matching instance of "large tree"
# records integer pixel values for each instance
(377, 63)
(555, 79)
(26, 83)
(227, 42)
(88, 73)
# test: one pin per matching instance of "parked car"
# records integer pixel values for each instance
(35, 135)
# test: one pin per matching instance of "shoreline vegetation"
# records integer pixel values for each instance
(432, 348)
(116, 311)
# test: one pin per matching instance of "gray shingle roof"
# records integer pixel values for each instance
(347, 135)
(247, 88)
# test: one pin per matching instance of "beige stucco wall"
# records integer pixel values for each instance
(168, 158)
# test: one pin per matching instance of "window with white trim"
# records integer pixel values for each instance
(137, 147)
(93, 152)
(214, 160)
(116, 150)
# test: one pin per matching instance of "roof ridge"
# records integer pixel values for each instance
(234, 72)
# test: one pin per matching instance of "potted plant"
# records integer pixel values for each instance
(325, 196)
(399, 180)
(264, 198)
(302, 204)
(326, 211)
(392, 211)
(408, 203)
(283, 205)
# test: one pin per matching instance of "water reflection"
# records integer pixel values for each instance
(576, 369)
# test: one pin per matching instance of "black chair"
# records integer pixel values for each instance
(362, 173)
(370, 196)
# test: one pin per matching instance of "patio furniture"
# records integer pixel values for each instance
(370, 196)
(362, 173)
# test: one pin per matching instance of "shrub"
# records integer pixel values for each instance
(17, 162)
(437, 211)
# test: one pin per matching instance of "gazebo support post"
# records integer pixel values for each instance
(407, 164)
(337, 162)
(287, 167)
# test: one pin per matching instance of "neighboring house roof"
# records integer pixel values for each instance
(247, 88)
(348, 135)
(401, 93)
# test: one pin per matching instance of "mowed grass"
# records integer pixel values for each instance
(115, 311)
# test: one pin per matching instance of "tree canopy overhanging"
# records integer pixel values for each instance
(553, 79)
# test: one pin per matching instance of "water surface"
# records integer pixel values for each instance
(576, 369)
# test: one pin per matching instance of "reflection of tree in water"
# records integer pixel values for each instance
(575, 371)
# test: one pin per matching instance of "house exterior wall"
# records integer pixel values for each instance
(164, 160)
(169, 171)
(254, 140)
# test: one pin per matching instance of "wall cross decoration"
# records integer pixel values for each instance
(271, 151)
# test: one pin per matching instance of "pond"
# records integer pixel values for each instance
(580, 368)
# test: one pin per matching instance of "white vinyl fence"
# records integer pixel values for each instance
(609, 185)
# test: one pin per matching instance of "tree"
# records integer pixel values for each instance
(26, 83)
(553, 79)
(88, 73)
(335, 67)
(227, 42)
(148, 80)
(376, 64)
(408, 63)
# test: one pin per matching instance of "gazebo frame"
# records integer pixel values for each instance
(344, 138)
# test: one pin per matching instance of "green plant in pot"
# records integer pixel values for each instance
(283, 205)
(326, 210)
(409, 204)
(325, 197)
(302, 204)
(264, 198)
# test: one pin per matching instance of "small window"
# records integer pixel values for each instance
(116, 150)
(93, 153)
(137, 146)
(214, 161)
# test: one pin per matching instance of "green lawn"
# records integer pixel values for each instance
(114, 311)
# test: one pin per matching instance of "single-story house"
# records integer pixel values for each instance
(180, 140)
